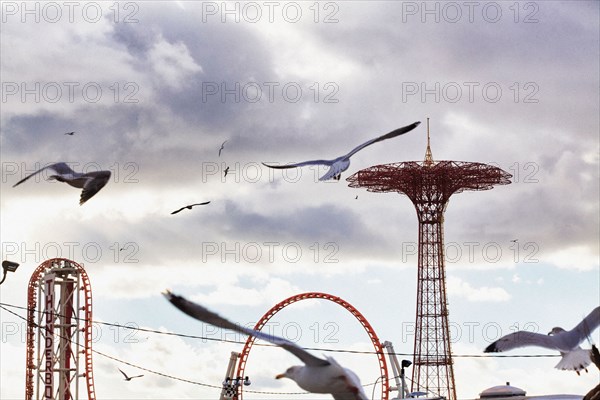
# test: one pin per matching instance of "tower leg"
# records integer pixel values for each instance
(433, 371)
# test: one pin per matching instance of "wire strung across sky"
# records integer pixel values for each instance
(222, 340)
(4, 305)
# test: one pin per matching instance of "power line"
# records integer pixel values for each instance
(150, 370)
(221, 340)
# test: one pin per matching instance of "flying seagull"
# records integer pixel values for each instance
(566, 342)
(226, 171)
(189, 207)
(317, 375)
(128, 378)
(90, 182)
(222, 147)
(340, 164)
(70, 133)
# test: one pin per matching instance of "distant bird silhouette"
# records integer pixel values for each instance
(90, 182)
(340, 164)
(70, 133)
(566, 342)
(317, 375)
(515, 240)
(226, 171)
(128, 378)
(222, 147)
(356, 198)
(189, 207)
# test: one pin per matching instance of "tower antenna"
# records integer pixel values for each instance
(428, 156)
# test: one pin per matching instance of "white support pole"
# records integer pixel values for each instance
(229, 389)
(398, 372)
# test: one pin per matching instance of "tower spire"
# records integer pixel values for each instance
(428, 156)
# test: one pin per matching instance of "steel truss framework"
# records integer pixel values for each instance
(316, 295)
(59, 332)
(429, 186)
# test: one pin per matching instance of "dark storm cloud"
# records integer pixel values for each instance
(175, 129)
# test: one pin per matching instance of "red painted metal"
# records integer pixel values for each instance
(429, 186)
(316, 295)
(72, 350)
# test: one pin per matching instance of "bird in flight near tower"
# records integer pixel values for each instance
(566, 342)
(340, 164)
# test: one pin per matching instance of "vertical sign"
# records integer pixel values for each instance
(49, 336)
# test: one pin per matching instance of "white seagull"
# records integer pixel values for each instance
(340, 164)
(90, 182)
(566, 342)
(317, 375)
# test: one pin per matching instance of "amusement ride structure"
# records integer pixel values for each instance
(429, 185)
(377, 345)
(59, 332)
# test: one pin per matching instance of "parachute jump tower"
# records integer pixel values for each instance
(59, 332)
(429, 185)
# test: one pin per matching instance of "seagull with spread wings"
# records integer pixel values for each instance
(566, 342)
(90, 182)
(317, 375)
(189, 207)
(340, 164)
(128, 378)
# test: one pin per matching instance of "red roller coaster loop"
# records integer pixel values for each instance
(57, 367)
(316, 295)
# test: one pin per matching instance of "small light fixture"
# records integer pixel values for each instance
(8, 266)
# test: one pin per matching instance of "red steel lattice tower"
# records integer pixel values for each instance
(429, 185)
(59, 332)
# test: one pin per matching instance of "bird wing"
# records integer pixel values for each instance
(176, 211)
(137, 376)
(124, 374)
(199, 204)
(575, 360)
(301, 164)
(60, 168)
(354, 388)
(197, 311)
(394, 133)
(522, 339)
(585, 327)
(97, 180)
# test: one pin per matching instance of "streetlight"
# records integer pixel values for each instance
(8, 266)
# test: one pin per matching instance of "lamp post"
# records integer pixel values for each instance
(8, 266)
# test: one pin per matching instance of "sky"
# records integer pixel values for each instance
(153, 89)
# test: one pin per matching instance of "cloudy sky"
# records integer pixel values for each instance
(152, 90)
